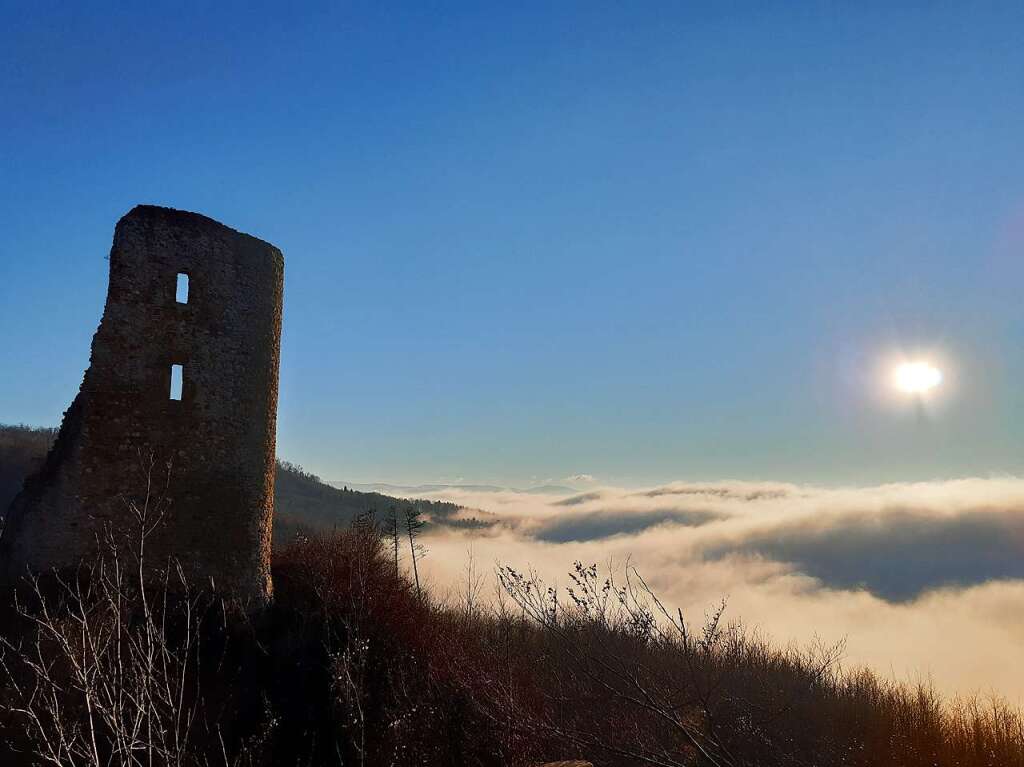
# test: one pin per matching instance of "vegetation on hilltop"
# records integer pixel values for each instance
(352, 665)
(22, 450)
(303, 503)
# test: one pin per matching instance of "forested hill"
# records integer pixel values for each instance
(22, 450)
(303, 503)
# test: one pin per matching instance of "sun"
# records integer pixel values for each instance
(916, 377)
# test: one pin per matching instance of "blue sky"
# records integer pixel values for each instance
(523, 241)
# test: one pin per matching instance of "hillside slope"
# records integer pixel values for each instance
(22, 450)
(303, 503)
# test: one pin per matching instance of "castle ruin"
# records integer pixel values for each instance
(184, 368)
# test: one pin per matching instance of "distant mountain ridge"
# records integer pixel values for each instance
(385, 487)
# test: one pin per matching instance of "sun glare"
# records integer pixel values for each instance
(917, 377)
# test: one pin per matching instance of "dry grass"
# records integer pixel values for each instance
(351, 666)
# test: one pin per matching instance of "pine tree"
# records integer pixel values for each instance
(414, 523)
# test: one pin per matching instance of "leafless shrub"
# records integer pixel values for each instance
(625, 679)
(105, 669)
(353, 665)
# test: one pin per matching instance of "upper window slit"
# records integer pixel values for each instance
(181, 293)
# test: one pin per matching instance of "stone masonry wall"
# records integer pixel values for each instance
(219, 438)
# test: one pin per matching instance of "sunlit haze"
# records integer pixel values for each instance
(917, 377)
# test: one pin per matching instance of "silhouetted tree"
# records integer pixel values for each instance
(414, 523)
(393, 532)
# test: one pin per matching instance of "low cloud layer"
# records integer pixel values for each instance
(580, 478)
(921, 579)
(595, 525)
(897, 555)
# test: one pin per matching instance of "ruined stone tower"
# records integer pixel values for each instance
(191, 379)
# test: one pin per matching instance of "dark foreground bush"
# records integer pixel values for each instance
(351, 666)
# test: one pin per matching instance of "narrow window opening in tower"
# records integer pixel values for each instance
(177, 378)
(181, 295)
